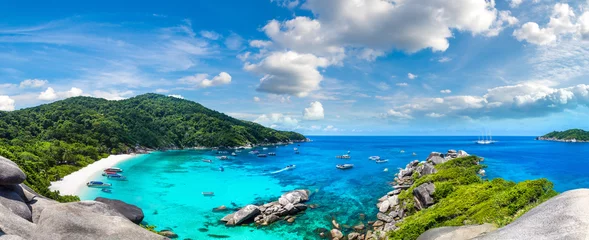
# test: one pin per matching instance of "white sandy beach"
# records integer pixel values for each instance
(76, 181)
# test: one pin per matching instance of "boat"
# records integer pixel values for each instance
(223, 157)
(117, 177)
(98, 184)
(106, 190)
(414, 154)
(382, 161)
(344, 166)
(222, 169)
(289, 167)
(402, 151)
(233, 154)
(373, 158)
(237, 151)
(207, 161)
(272, 153)
(485, 139)
(265, 148)
(108, 173)
(296, 149)
(254, 152)
(113, 169)
(345, 156)
(208, 193)
(385, 170)
(262, 155)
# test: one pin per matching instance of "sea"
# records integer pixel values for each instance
(168, 186)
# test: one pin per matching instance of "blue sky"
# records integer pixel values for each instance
(320, 67)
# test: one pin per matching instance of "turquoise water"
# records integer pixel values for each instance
(168, 186)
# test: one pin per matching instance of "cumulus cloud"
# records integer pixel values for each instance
(398, 114)
(113, 95)
(202, 80)
(210, 35)
(403, 84)
(234, 41)
(256, 99)
(6, 103)
(33, 83)
(277, 120)
(444, 59)
(411, 76)
(176, 96)
(529, 99)
(50, 94)
(314, 111)
(331, 128)
(260, 43)
(289, 73)
(563, 22)
(446, 91)
(435, 115)
(515, 3)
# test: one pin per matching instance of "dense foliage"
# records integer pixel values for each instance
(53, 140)
(462, 197)
(578, 134)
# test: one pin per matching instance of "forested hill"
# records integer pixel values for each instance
(55, 139)
(568, 135)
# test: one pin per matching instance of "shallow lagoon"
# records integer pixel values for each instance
(168, 186)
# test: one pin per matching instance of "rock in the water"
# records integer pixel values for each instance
(168, 234)
(384, 206)
(378, 223)
(220, 208)
(13, 224)
(11, 173)
(131, 212)
(87, 220)
(290, 219)
(336, 234)
(294, 197)
(456, 233)
(353, 236)
(565, 216)
(384, 217)
(359, 227)
(244, 214)
(38, 205)
(423, 194)
(13, 201)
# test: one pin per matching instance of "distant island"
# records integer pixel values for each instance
(51, 141)
(571, 135)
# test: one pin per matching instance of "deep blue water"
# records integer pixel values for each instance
(168, 185)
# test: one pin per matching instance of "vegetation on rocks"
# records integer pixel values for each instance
(463, 197)
(577, 134)
(53, 140)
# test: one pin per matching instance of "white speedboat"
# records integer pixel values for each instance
(117, 177)
(223, 158)
(265, 148)
(344, 166)
(402, 151)
(382, 161)
(289, 167)
(113, 169)
(233, 154)
(374, 158)
(262, 155)
(414, 154)
(345, 156)
(272, 153)
(98, 184)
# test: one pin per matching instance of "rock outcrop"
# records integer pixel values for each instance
(288, 205)
(131, 212)
(424, 195)
(457, 233)
(565, 216)
(24, 214)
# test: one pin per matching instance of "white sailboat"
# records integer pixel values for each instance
(486, 139)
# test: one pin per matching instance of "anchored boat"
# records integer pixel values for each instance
(344, 166)
(208, 193)
(381, 161)
(117, 177)
(113, 169)
(98, 184)
(345, 156)
(374, 158)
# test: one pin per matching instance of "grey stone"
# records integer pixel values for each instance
(294, 197)
(10, 237)
(300, 207)
(456, 233)
(244, 214)
(384, 206)
(13, 224)
(427, 168)
(227, 218)
(38, 205)
(11, 173)
(390, 226)
(383, 217)
(87, 220)
(13, 201)
(336, 234)
(423, 195)
(270, 219)
(131, 212)
(565, 216)
(353, 236)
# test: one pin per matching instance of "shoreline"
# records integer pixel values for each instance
(561, 140)
(73, 183)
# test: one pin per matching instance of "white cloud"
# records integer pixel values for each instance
(260, 43)
(398, 115)
(33, 83)
(113, 94)
(403, 84)
(160, 90)
(562, 23)
(583, 22)
(277, 120)
(411, 76)
(369, 54)
(234, 41)
(331, 128)
(515, 3)
(256, 99)
(210, 35)
(444, 59)
(50, 94)
(532, 33)
(290, 4)
(314, 111)
(289, 73)
(201, 80)
(435, 115)
(446, 91)
(383, 86)
(176, 96)
(6, 103)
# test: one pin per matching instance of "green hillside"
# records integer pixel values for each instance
(53, 140)
(578, 134)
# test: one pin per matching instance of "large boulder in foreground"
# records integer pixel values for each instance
(87, 220)
(38, 205)
(565, 216)
(131, 212)
(11, 173)
(457, 233)
(13, 224)
(14, 202)
(244, 214)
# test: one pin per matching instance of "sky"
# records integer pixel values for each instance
(319, 67)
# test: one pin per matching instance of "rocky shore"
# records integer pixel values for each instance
(560, 140)
(24, 214)
(285, 208)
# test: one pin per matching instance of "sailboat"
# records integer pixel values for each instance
(486, 139)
